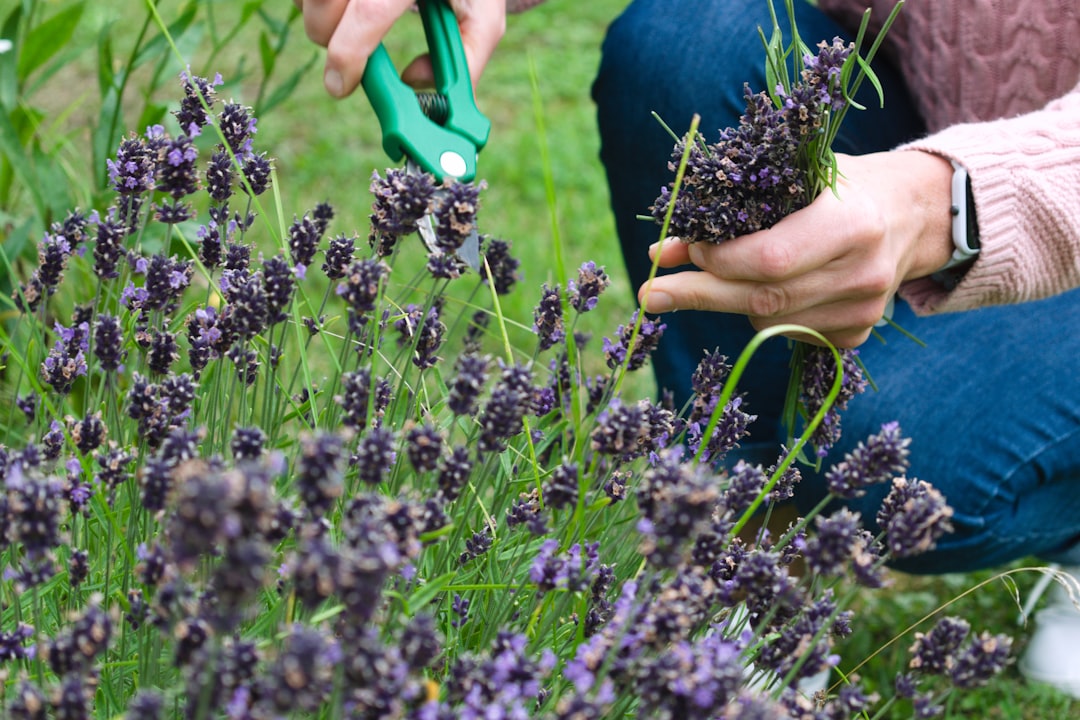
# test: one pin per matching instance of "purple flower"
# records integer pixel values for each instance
(879, 459)
(454, 472)
(108, 247)
(818, 375)
(747, 181)
(420, 643)
(470, 374)
(475, 546)
(732, 426)
(53, 253)
(219, 177)
(648, 337)
(279, 285)
(199, 96)
(114, 467)
(784, 489)
(177, 174)
(339, 256)
(163, 352)
(504, 267)
(676, 501)
(11, 643)
(304, 236)
(572, 572)
(460, 608)
(356, 397)
(247, 443)
(401, 199)
(257, 169)
(237, 126)
(423, 446)
(913, 515)
(983, 658)
(561, 487)
(591, 282)
(360, 287)
(52, 442)
(319, 472)
(503, 416)
(745, 483)
(428, 340)
(89, 433)
(933, 653)
(133, 171)
(302, 676)
(374, 455)
(548, 318)
(621, 430)
(829, 549)
(27, 404)
(166, 280)
(33, 512)
(454, 214)
(67, 360)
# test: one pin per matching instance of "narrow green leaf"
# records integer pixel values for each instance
(152, 114)
(106, 134)
(266, 53)
(429, 590)
(873, 78)
(54, 184)
(106, 75)
(22, 166)
(15, 244)
(286, 88)
(9, 79)
(45, 40)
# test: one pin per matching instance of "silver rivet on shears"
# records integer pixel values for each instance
(452, 164)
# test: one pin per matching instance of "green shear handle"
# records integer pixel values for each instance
(447, 148)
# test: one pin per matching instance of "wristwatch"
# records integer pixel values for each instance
(965, 226)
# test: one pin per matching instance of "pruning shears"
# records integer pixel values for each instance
(438, 132)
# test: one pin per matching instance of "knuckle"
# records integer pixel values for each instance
(767, 301)
(775, 260)
(879, 279)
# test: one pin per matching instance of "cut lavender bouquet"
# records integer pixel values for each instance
(250, 473)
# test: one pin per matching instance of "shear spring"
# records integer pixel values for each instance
(435, 105)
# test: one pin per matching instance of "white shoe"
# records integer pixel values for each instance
(1051, 655)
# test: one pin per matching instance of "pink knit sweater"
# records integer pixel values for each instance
(997, 81)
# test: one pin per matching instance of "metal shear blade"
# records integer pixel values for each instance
(469, 252)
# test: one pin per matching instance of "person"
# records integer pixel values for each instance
(992, 401)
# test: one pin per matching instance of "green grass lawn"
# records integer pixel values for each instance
(326, 150)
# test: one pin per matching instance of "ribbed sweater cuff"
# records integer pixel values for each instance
(1025, 176)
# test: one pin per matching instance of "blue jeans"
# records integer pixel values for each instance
(992, 404)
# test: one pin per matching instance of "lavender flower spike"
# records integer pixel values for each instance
(880, 458)
(648, 338)
(585, 293)
(914, 515)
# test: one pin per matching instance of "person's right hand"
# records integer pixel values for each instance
(350, 30)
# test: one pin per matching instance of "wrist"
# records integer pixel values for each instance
(965, 226)
(930, 201)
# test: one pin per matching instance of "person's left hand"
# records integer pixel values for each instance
(832, 266)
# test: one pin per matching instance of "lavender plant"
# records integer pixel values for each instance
(248, 472)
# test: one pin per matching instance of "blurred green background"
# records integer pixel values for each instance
(326, 150)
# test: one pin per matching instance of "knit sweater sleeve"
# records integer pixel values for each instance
(516, 6)
(1025, 179)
